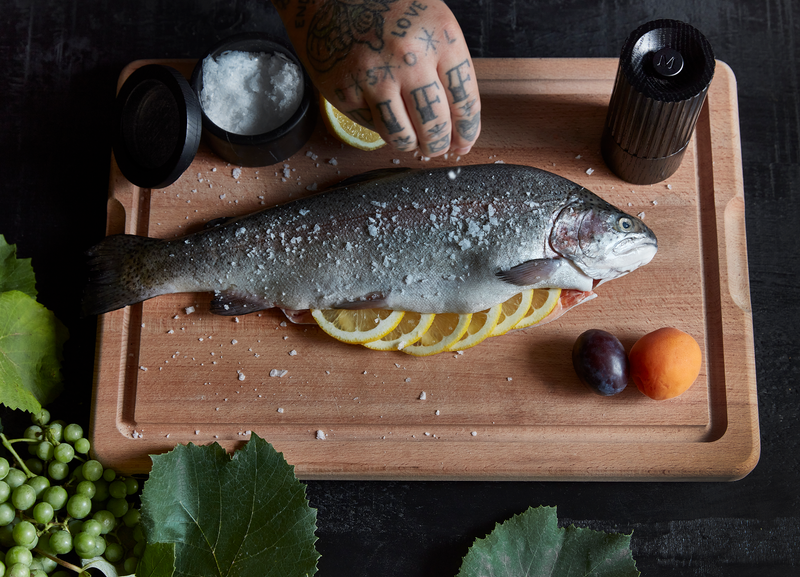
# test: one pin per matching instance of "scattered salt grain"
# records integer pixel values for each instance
(437, 412)
(422, 396)
(143, 368)
(321, 435)
(277, 373)
(641, 215)
(280, 409)
(236, 173)
(655, 203)
(234, 341)
(189, 310)
(250, 93)
(474, 433)
(292, 353)
(589, 170)
(396, 161)
(241, 376)
(333, 162)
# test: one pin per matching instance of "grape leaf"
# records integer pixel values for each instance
(31, 340)
(240, 516)
(158, 561)
(15, 274)
(100, 564)
(532, 544)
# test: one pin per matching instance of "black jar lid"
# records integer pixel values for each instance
(158, 124)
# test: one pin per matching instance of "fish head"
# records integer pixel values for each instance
(602, 241)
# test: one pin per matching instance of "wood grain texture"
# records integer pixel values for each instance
(510, 408)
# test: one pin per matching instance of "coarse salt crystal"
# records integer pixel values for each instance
(321, 435)
(589, 170)
(422, 396)
(250, 93)
(189, 310)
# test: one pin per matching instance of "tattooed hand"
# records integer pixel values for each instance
(400, 67)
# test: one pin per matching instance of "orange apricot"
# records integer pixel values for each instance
(665, 363)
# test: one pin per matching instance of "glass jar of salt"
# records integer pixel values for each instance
(256, 100)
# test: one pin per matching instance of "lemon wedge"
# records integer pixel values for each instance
(446, 330)
(357, 326)
(480, 327)
(542, 304)
(409, 331)
(513, 310)
(347, 130)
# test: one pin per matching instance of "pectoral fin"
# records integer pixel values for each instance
(531, 271)
(232, 303)
(370, 301)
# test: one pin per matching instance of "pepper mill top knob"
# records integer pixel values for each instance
(664, 72)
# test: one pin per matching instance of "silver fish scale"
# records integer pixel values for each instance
(426, 240)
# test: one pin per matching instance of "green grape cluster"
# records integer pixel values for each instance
(58, 506)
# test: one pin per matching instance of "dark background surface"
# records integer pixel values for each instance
(59, 63)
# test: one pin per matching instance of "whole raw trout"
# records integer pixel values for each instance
(437, 240)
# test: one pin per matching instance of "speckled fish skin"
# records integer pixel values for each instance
(430, 240)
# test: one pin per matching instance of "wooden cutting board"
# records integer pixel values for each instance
(510, 408)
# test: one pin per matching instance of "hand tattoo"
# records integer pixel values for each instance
(339, 24)
(469, 128)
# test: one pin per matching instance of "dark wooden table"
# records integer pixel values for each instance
(60, 62)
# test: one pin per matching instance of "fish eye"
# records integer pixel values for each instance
(625, 224)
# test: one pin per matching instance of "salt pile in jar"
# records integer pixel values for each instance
(250, 93)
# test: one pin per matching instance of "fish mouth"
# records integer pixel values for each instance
(631, 245)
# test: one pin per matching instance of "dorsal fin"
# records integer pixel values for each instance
(369, 176)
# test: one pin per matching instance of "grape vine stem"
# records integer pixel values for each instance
(20, 462)
(61, 562)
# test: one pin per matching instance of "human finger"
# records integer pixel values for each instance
(461, 87)
(429, 113)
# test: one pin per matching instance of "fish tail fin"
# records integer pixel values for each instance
(113, 280)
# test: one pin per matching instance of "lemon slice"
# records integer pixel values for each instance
(513, 310)
(447, 328)
(409, 331)
(347, 130)
(359, 326)
(480, 327)
(543, 303)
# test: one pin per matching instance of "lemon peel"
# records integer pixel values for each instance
(407, 332)
(513, 310)
(347, 130)
(479, 329)
(446, 330)
(542, 304)
(357, 326)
